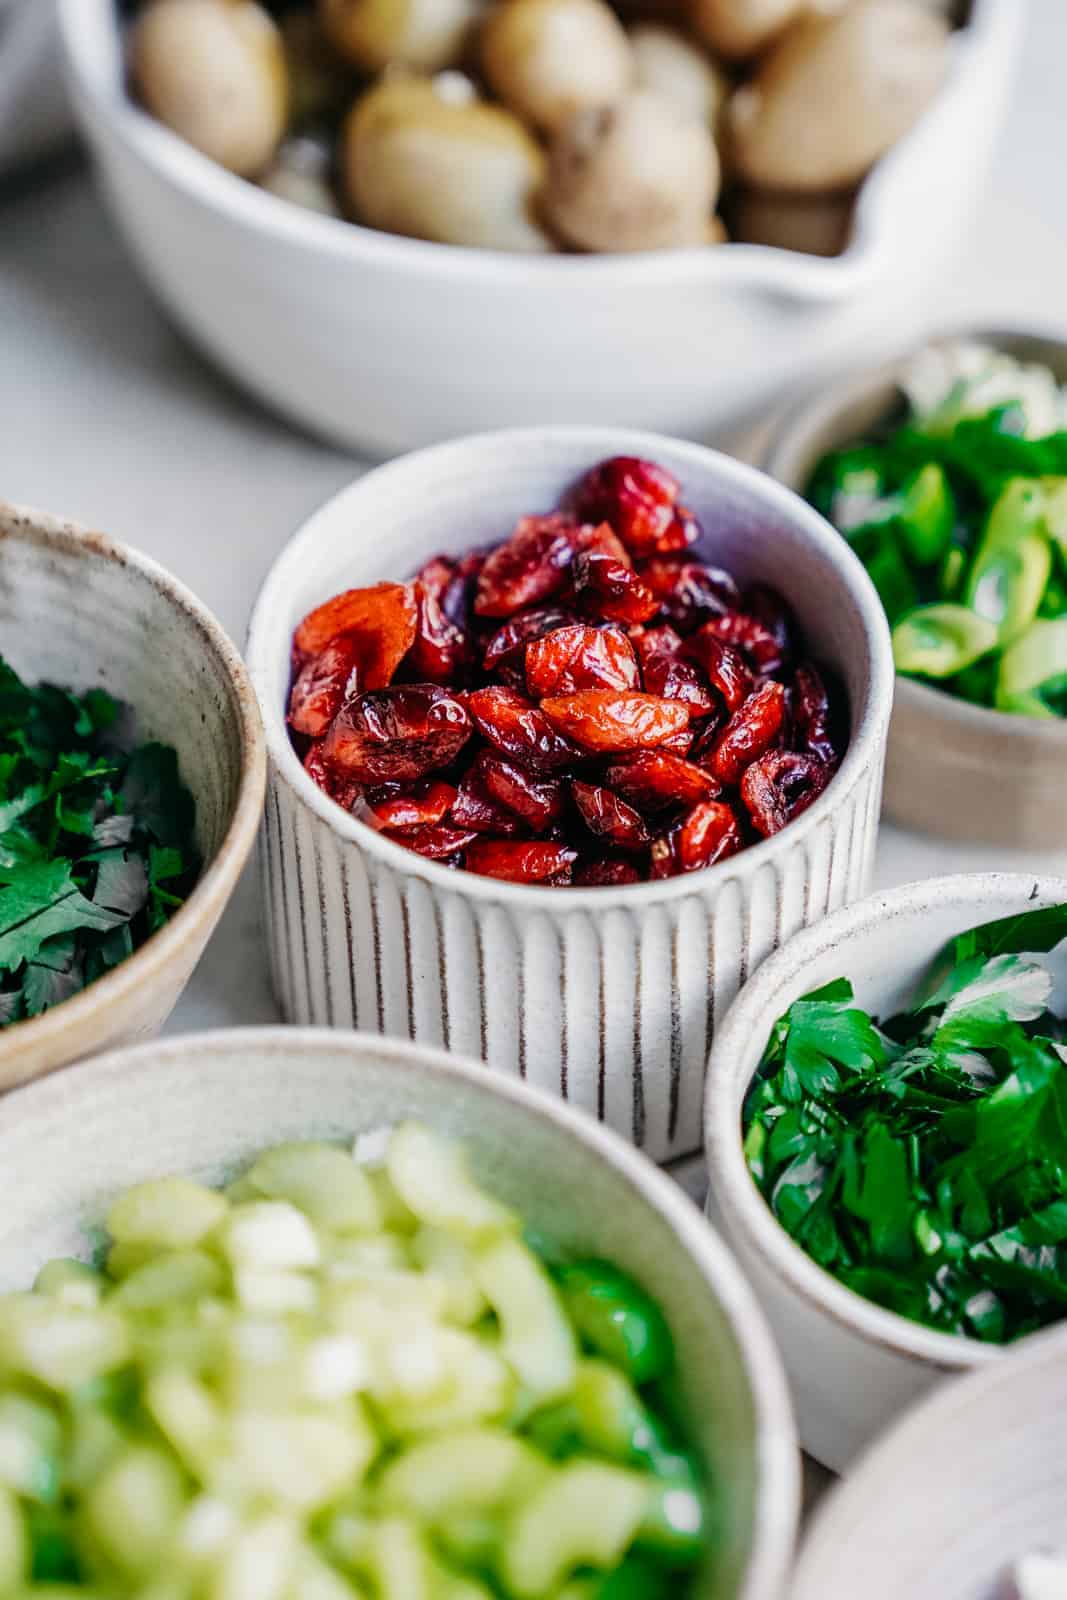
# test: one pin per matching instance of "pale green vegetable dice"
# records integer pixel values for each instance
(537, 1339)
(471, 1470)
(302, 1460)
(273, 1292)
(14, 1544)
(315, 1579)
(431, 1178)
(182, 1275)
(132, 1512)
(170, 1213)
(31, 1436)
(95, 1440)
(70, 1281)
(270, 1235)
(260, 1562)
(586, 1515)
(187, 1413)
(321, 1181)
(444, 1378)
(61, 1346)
(444, 1256)
(399, 1562)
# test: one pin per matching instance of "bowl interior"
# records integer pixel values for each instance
(78, 611)
(204, 1106)
(929, 1515)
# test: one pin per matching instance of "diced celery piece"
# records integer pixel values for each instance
(941, 640)
(472, 1470)
(14, 1544)
(270, 1235)
(31, 1436)
(260, 1561)
(172, 1341)
(443, 1378)
(122, 1259)
(61, 1346)
(304, 1461)
(334, 1367)
(315, 1579)
(72, 1282)
(321, 1181)
(1038, 657)
(449, 1585)
(396, 1215)
(132, 1512)
(536, 1337)
(399, 1561)
(470, 1540)
(430, 1175)
(274, 1292)
(610, 1414)
(586, 1515)
(379, 1305)
(183, 1275)
(444, 1256)
(367, 1256)
(170, 1213)
(187, 1414)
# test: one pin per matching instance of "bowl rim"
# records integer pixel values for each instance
(897, 1449)
(823, 410)
(215, 885)
(777, 1470)
(871, 718)
(742, 1206)
(988, 28)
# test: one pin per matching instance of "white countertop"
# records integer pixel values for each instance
(108, 417)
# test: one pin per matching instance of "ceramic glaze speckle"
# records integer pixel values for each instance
(853, 1366)
(607, 997)
(205, 1104)
(79, 610)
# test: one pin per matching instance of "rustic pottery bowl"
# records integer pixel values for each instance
(80, 610)
(386, 343)
(853, 1366)
(205, 1104)
(964, 1486)
(953, 769)
(607, 997)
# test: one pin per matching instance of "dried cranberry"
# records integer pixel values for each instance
(780, 785)
(438, 841)
(439, 650)
(522, 861)
(475, 808)
(537, 802)
(610, 590)
(655, 779)
(724, 666)
(688, 592)
(609, 720)
(507, 646)
(344, 790)
(519, 729)
(708, 833)
(756, 642)
(397, 735)
(813, 721)
(605, 814)
(580, 657)
(768, 608)
(529, 567)
(382, 618)
(640, 501)
(323, 684)
(665, 672)
(425, 802)
(751, 730)
(605, 872)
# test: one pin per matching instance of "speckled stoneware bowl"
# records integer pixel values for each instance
(80, 610)
(952, 769)
(608, 997)
(204, 1104)
(963, 1487)
(853, 1366)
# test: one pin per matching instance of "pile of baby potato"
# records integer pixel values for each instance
(546, 125)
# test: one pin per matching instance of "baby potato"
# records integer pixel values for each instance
(423, 34)
(737, 29)
(467, 173)
(673, 66)
(834, 94)
(816, 225)
(214, 71)
(637, 175)
(546, 59)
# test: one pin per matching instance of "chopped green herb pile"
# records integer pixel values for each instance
(96, 843)
(961, 521)
(924, 1162)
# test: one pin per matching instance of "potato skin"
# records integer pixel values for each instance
(678, 69)
(216, 75)
(547, 59)
(423, 34)
(738, 29)
(834, 94)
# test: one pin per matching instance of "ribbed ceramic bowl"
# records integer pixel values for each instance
(606, 996)
(205, 1104)
(853, 1366)
(961, 1489)
(953, 769)
(387, 343)
(80, 610)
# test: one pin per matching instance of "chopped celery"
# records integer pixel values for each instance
(586, 1515)
(70, 1281)
(324, 1182)
(169, 1213)
(537, 1338)
(431, 1178)
(470, 1471)
(1038, 657)
(132, 1511)
(940, 641)
(14, 1544)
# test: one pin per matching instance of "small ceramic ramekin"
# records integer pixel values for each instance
(80, 610)
(952, 769)
(961, 1489)
(853, 1366)
(205, 1104)
(608, 997)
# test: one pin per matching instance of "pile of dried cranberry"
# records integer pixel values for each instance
(584, 703)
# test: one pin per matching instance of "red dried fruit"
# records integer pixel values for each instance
(601, 539)
(688, 592)
(640, 501)
(580, 657)
(530, 566)
(769, 609)
(609, 720)
(759, 646)
(666, 674)
(751, 730)
(323, 684)
(440, 648)
(725, 667)
(656, 779)
(426, 802)
(437, 840)
(610, 590)
(813, 729)
(457, 599)
(679, 744)
(397, 735)
(605, 814)
(780, 785)
(537, 802)
(475, 808)
(708, 833)
(345, 791)
(507, 646)
(383, 617)
(605, 872)
(520, 860)
(519, 729)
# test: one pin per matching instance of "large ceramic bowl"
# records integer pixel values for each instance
(608, 997)
(388, 343)
(963, 1488)
(853, 1366)
(953, 769)
(80, 610)
(204, 1105)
